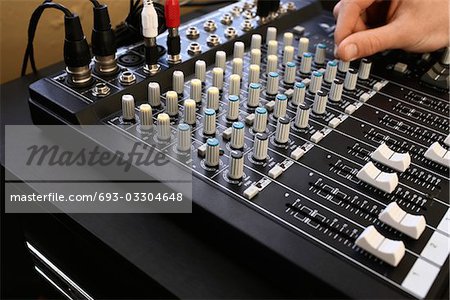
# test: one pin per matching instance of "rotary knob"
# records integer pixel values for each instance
(154, 94)
(255, 57)
(260, 123)
(316, 82)
(237, 66)
(145, 116)
(302, 116)
(235, 85)
(272, 64)
(272, 84)
(272, 48)
(184, 139)
(364, 69)
(280, 106)
(330, 72)
(343, 66)
(178, 82)
(289, 74)
(288, 54)
(238, 51)
(189, 111)
(260, 146)
(256, 41)
(172, 103)
(209, 125)
(200, 70)
(320, 55)
(221, 60)
(254, 91)
(233, 108)
(350, 79)
(254, 73)
(303, 46)
(212, 98)
(299, 93)
(288, 38)
(305, 65)
(128, 108)
(320, 103)
(282, 131)
(237, 135)
(196, 90)
(212, 152)
(163, 127)
(271, 34)
(336, 90)
(217, 78)
(236, 169)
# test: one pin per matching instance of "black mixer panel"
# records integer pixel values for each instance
(353, 157)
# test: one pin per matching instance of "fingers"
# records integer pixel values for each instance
(349, 17)
(368, 42)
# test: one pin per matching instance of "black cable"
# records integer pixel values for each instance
(34, 20)
(96, 3)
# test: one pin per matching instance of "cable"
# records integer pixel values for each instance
(34, 20)
(214, 2)
(95, 2)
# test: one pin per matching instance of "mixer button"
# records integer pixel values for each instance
(364, 97)
(400, 68)
(251, 192)
(438, 154)
(397, 161)
(389, 251)
(298, 30)
(335, 122)
(397, 218)
(447, 140)
(297, 153)
(317, 137)
(370, 174)
(350, 109)
(275, 172)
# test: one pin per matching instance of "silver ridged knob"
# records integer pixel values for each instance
(282, 131)
(305, 65)
(271, 34)
(288, 54)
(336, 90)
(272, 84)
(256, 41)
(146, 116)
(217, 78)
(350, 79)
(272, 64)
(343, 66)
(254, 73)
(237, 135)
(172, 103)
(303, 46)
(239, 49)
(178, 82)
(364, 69)
(209, 125)
(163, 127)
(316, 82)
(320, 103)
(154, 94)
(221, 60)
(288, 38)
(272, 48)
(280, 106)
(255, 57)
(320, 55)
(330, 72)
(212, 152)
(236, 169)
(128, 108)
(237, 66)
(289, 74)
(233, 108)
(260, 146)
(189, 112)
(200, 70)
(302, 116)
(184, 139)
(212, 98)
(235, 85)
(196, 90)
(299, 93)
(260, 123)
(445, 59)
(254, 91)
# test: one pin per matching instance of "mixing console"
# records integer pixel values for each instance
(352, 157)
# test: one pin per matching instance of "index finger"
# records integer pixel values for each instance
(348, 16)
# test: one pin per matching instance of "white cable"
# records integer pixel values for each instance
(149, 20)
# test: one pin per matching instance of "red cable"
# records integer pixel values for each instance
(172, 13)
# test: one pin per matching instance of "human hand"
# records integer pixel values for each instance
(365, 27)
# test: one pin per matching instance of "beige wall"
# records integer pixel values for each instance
(14, 18)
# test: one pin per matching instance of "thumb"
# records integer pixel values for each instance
(368, 42)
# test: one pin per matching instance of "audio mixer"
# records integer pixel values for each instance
(347, 164)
